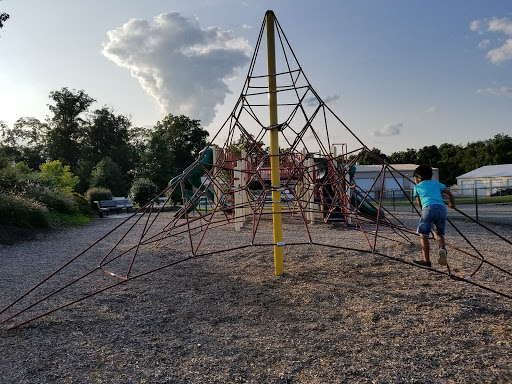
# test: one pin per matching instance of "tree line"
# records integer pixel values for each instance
(102, 148)
(452, 160)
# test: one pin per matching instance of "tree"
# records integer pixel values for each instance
(108, 174)
(428, 155)
(369, 158)
(142, 191)
(105, 135)
(449, 163)
(498, 150)
(26, 141)
(247, 143)
(65, 131)
(174, 144)
(53, 172)
(408, 157)
(3, 18)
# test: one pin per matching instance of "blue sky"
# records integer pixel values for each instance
(401, 74)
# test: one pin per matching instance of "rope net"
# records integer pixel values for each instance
(228, 189)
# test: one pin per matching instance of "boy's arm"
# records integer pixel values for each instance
(418, 201)
(451, 204)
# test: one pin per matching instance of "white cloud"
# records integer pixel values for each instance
(502, 53)
(476, 25)
(391, 129)
(503, 25)
(179, 63)
(484, 44)
(432, 110)
(503, 91)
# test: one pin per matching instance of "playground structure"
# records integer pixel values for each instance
(240, 185)
(236, 184)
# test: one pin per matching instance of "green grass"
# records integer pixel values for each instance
(65, 220)
(486, 200)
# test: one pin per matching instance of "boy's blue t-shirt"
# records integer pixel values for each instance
(430, 192)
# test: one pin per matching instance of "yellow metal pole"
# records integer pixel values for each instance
(274, 146)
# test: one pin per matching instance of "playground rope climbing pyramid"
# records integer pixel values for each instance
(272, 163)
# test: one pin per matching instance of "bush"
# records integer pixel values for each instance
(52, 198)
(55, 174)
(82, 203)
(22, 212)
(97, 193)
(15, 177)
(142, 191)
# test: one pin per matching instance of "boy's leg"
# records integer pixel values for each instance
(442, 250)
(439, 235)
(440, 240)
(425, 248)
(424, 228)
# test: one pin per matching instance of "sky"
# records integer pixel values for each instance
(400, 74)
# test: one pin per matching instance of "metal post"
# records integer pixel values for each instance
(274, 146)
(476, 203)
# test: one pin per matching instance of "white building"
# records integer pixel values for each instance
(402, 178)
(486, 180)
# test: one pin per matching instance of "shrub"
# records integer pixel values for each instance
(52, 198)
(14, 177)
(142, 191)
(22, 212)
(58, 175)
(97, 193)
(82, 203)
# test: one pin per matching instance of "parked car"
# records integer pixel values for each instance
(503, 192)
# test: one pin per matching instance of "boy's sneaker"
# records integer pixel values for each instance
(442, 256)
(422, 263)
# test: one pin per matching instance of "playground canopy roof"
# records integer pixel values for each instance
(502, 170)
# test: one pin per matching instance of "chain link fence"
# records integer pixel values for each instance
(486, 205)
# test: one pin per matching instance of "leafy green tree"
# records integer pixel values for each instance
(369, 158)
(66, 127)
(428, 155)
(4, 160)
(59, 175)
(84, 170)
(247, 143)
(108, 174)
(26, 141)
(142, 191)
(174, 144)
(106, 135)
(499, 150)
(3, 18)
(449, 163)
(59, 138)
(409, 156)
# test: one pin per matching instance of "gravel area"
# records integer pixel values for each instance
(334, 316)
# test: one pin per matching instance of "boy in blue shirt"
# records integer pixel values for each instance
(429, 196)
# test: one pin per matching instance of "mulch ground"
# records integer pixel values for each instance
(334, 316)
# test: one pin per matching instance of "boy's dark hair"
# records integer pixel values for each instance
(424, 171)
